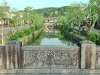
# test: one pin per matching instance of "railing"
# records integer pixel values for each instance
(15, 56)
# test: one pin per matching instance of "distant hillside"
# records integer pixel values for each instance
(52, 11)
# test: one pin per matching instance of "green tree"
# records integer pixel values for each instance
(76, 14)
(94, 12)
(46, 14)
(27, 16)
(3, 14)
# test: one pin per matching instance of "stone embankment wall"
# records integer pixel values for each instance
(72, 36)
(30, 37)
(9, 31)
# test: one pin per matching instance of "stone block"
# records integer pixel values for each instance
(88, 55)
(13, 54)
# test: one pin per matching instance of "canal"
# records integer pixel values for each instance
(52, 38)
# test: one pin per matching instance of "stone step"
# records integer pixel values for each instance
(50, 72)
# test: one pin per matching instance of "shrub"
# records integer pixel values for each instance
(68, 28)
(62, 26)
(28, 31)
(21, 34)
(13, 37)
(91, 36)
(38, 27)
(24, 32)
(75, 32)
(98, 39)
(32, 29)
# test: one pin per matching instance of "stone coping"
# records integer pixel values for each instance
(98, 48)
(2, 47)
(50, 48)
(50, 71)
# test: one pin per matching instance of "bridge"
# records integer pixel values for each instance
(51, 25)
(16, 59)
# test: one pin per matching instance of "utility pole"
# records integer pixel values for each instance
(2, 39)
(2, 35)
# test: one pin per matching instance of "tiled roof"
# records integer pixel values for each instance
(51, 18)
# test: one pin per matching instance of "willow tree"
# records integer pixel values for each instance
(76, 14)
(32, 17)
(80, 12)
(27, 14)
(38, 19)
(16, 19)
(70, 16)
(61, 20)
(94, 12)
(4, 16)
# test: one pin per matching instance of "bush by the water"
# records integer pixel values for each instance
(67, 27)
(75, 32)
(24, 32)
(98, 39)
(91, 36)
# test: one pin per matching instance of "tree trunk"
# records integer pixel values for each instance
(79, 30)
(2, 36)
(93, 24)
(79, 27)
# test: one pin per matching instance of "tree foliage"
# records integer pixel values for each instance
(19, 18)
(94, 12)
(78, 13)
(52, 11)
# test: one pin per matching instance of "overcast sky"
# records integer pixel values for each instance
(21, 4)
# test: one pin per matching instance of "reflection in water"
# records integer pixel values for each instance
(52, 38)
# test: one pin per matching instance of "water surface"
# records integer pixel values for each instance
(52, 38)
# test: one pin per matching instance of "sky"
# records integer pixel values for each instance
(36, 4)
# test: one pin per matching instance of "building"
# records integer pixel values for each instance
(51, 19)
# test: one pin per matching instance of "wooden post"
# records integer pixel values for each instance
(13, 54)
(88, 55)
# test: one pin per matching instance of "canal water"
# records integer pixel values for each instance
(52, 38)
